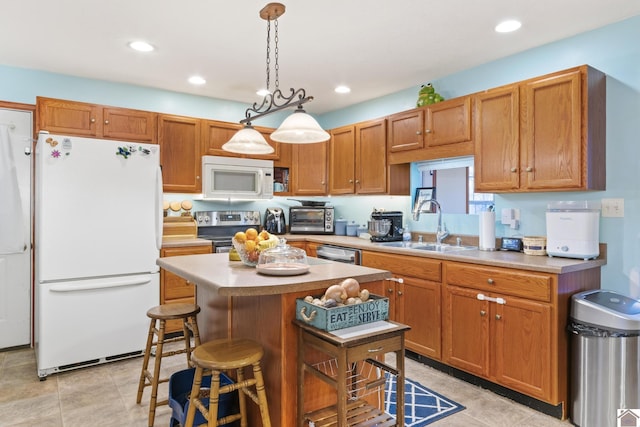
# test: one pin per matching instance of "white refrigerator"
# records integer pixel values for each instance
(98, 231)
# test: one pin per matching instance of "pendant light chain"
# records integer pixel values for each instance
(276, 67)
(268, 51)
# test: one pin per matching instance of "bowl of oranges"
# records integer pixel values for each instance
(250, 243)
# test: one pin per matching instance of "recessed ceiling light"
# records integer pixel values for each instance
(197, 80)
(508, 26)
(342, 89)
(263, 92)
(141, 46)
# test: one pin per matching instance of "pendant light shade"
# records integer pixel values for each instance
(248, 141)
(300, 128)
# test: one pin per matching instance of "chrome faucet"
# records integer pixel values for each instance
(441, 232)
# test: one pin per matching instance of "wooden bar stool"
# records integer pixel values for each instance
(223, 355)
(162, 313)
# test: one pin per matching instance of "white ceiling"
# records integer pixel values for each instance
(376, 47)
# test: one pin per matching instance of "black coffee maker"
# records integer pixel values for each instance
(395, 231)
(274, 221)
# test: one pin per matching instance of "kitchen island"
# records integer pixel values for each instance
(236, 301)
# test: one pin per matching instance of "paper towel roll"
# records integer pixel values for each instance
(487, 235)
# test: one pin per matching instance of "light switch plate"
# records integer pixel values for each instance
(613, 208)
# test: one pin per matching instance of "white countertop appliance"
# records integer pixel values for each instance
(573, 229)
(98, 225)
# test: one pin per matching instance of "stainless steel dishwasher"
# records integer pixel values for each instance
(340, 254)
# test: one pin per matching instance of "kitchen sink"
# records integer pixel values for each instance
(432, 247)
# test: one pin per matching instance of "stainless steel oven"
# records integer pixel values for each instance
(340, 254)
(220, 226)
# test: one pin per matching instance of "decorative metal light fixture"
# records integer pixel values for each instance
(298, 128)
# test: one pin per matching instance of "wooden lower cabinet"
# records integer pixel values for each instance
(414, 295)
(509, 326)
(509, 344)
(312, 248)
(504, 325)
(174, 289)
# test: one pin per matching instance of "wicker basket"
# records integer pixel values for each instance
(534, 245)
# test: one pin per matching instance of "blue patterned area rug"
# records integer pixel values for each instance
(422, 406)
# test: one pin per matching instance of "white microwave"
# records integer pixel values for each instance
(236, 178)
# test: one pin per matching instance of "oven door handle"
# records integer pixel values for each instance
(332, 256)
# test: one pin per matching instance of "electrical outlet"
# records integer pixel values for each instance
(613, 208)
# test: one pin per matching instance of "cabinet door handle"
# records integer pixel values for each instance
(529, 169)
(483, 297)
(514, 169)
(490, 281)
(418, 133)
(399, 293)
(428, 131)
(357, 181)
(106, 122)
(93, 120)
(390, 291)
(483, 313)
(498, 317)
(350, 181)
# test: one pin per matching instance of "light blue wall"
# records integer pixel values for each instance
(613, 49)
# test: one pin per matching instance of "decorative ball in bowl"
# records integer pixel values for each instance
(250, 243)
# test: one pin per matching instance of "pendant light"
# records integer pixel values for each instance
(298, 128)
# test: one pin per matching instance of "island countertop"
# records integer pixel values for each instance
(233, 278)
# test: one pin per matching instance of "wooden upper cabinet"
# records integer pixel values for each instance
(497, 140)
(448, 122)
(553, 111)
(215, 134)
(95, 121)
(342, 160)
(129, 125)
(543, 134)
(357, 159)
(309, 169)
(435, 131)
(405, 130)
(67, 117)
(180, 153)
(370, 158)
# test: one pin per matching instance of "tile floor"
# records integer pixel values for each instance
(105, 395)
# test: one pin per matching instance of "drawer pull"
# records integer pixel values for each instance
(375, 350)
(498, 317)
(396, 279)
(483, 297)
(303, 314)
(490, 281)
(483, 313)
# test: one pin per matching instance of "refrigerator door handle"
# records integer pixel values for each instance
(104, 285)
(159, 213)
